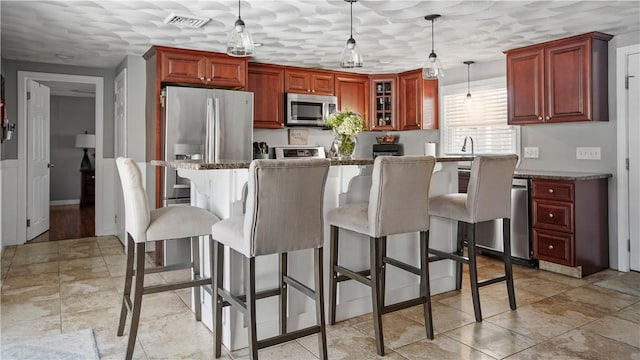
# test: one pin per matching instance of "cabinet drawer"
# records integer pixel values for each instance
(553, 215)
(552, 246)
(553, 190)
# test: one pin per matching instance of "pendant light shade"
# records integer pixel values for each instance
(468, 100)
(432, 68)
(240, 42)
(351, 56)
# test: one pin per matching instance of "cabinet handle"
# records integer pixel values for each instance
(202, 78)
(208, 79)
(539, 117)
(550, 247)
(550, 191)
(547, 117)
(551, 215)
(313, 90)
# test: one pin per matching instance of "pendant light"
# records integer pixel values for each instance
(351, 56)
(432, 68)
(239, 42)
(467, 100)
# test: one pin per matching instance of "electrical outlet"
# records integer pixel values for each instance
(531, 152)
(588, 153)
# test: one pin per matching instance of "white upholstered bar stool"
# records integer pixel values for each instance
(284, 212)
(144, 226)
(398, 203)
(488, 198)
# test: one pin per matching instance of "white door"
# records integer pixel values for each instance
(120, 145)
(633, 118)
(38, 157)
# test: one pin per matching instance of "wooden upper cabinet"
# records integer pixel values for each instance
(298, 80)
(559, 81)
(267, 84)
(384, 102)
(201, 68)
(352, 91)
(418, 99)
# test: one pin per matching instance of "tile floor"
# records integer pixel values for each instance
(64, 286)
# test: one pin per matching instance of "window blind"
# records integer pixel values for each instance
(484, 119)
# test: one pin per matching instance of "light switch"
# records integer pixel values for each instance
(588, 153)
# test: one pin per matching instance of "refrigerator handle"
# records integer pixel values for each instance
(209, 155)
(216, 132)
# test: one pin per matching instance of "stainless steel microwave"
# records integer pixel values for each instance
(308, 109)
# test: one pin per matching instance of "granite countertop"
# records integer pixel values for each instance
(554, 175)
(201, 165)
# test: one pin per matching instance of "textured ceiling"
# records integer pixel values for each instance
(392, 34)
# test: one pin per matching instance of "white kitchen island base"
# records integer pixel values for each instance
(220, 191)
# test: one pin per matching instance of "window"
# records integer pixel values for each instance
(484, 119)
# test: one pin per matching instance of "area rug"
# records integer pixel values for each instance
(628, 283)
(79, 345)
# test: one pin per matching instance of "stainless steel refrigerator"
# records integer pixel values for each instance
(209, 124)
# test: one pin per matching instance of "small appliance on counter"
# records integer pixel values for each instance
(299, 152)
(387, 150)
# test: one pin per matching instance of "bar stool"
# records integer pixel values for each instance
(488, 198)
(283, 213)
(144, 226)
(398, 203)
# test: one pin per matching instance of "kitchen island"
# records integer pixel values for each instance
(218, 187)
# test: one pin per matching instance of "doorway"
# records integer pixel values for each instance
(96, 86)
(72, 179)
(628, 163)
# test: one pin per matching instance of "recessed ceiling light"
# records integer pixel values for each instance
(385, 61)
(257, 44)
(64, 57)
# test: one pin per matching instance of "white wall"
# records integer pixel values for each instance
(9, 199)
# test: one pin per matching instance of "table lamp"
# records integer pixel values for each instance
(85, 141)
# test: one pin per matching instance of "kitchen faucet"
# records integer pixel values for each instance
(464, 145)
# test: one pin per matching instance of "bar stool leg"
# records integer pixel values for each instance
(462, 227)
(473, 273)
(195, 274)
(425, 291)
(319, 286)
(212, 273)
(383, 269)
(508, 271)
(251, 307)
(375, 296)
(216, 300)
(126, 294)
(283, 293)
(137, 299)
(333, 280)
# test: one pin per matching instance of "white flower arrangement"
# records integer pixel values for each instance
(345, 122)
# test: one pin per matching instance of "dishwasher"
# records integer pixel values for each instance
(489, 233)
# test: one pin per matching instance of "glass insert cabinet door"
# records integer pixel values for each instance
(384, 104)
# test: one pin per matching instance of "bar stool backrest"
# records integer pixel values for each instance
(399, 197)
(136, 201)
(285, 205)
(489, 190)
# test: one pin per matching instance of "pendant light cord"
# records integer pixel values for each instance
(238, 9)
(468, 67)
(432, 34)
(351, 28)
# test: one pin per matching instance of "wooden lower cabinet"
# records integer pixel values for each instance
(570, 224)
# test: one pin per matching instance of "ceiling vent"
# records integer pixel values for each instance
(189, 21)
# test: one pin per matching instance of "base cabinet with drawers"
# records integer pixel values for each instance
(570, 223)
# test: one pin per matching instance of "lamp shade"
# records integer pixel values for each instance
(85, 141)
